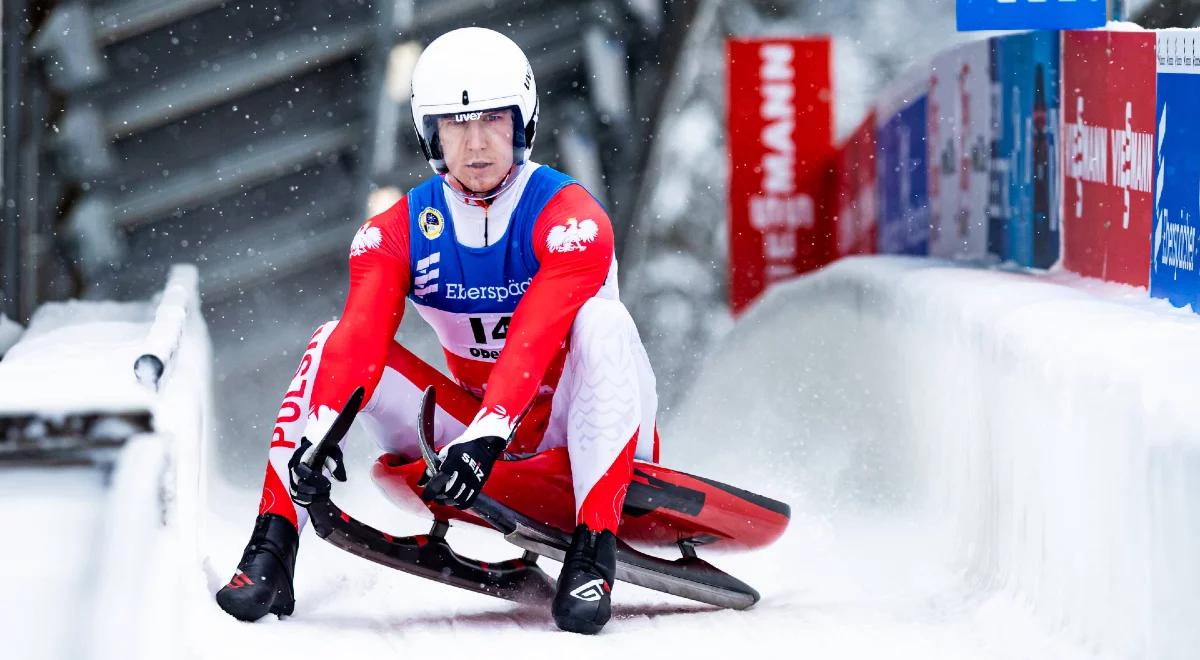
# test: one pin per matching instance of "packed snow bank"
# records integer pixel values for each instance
(1047, 424)
(153, 521)
(46, 565)
(162, 536)
(79, 356)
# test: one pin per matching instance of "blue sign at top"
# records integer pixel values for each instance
(1030, 14)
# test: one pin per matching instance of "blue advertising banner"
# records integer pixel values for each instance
(1001, 146)
(903, 181)
(1040, 148)
(914, 177)
(1030, 14)
(890, 220)
(1027, 73)
(1173, 247)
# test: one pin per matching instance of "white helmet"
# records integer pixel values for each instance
(470, 70)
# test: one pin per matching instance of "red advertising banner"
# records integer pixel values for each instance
(1108, 94)
(856, 203)
(781, 154)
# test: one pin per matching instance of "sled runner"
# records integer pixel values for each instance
(530, 501)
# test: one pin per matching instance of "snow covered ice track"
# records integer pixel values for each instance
(981, 465)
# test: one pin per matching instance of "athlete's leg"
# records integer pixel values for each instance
(607, 403)
(390, 416)
(647, 444)
(289, 427)
(604, 410)
(263, 583)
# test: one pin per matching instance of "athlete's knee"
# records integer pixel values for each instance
(316, 344)
(602, 319)
(293, 409)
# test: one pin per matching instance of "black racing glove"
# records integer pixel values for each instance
(309, 484)
(465, 468)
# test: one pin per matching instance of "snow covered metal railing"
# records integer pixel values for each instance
(179, 298)
(67, 393)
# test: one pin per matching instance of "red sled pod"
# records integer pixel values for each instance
(663, 508)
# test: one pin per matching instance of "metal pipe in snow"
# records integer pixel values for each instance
(179, 297)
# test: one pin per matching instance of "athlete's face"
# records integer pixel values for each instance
(478, 147)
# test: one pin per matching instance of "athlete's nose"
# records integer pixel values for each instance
(476, 136)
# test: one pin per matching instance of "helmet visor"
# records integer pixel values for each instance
(502, 123)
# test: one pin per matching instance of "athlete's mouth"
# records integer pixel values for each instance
(479, 166)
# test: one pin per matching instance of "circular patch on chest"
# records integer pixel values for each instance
(431, 222)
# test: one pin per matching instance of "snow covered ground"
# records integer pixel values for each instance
(981, 464)
(46, 567)
(827, 589)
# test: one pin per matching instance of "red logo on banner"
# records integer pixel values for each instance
(856, 192)
(780, 152)
(1108, 154)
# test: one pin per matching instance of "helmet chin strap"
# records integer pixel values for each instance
(469, 195)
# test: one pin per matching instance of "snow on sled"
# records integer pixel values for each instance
(531, 502)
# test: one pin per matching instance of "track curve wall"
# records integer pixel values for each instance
(1046, 423)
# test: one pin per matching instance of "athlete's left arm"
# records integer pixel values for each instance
(570, 272)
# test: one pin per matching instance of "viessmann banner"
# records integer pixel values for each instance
(1030, 14)
(781, 155)
(1108, 82)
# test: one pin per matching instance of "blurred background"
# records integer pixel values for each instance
(252, 138)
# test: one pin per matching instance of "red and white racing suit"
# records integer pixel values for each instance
(569, 353)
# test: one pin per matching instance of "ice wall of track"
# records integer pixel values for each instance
(1046, 423)
(149, 568)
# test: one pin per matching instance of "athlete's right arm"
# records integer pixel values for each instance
(356, 350)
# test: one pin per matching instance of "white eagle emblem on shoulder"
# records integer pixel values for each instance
(367, 238)
(572, 237)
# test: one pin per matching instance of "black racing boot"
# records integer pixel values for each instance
(263, 583)
(584, 599)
